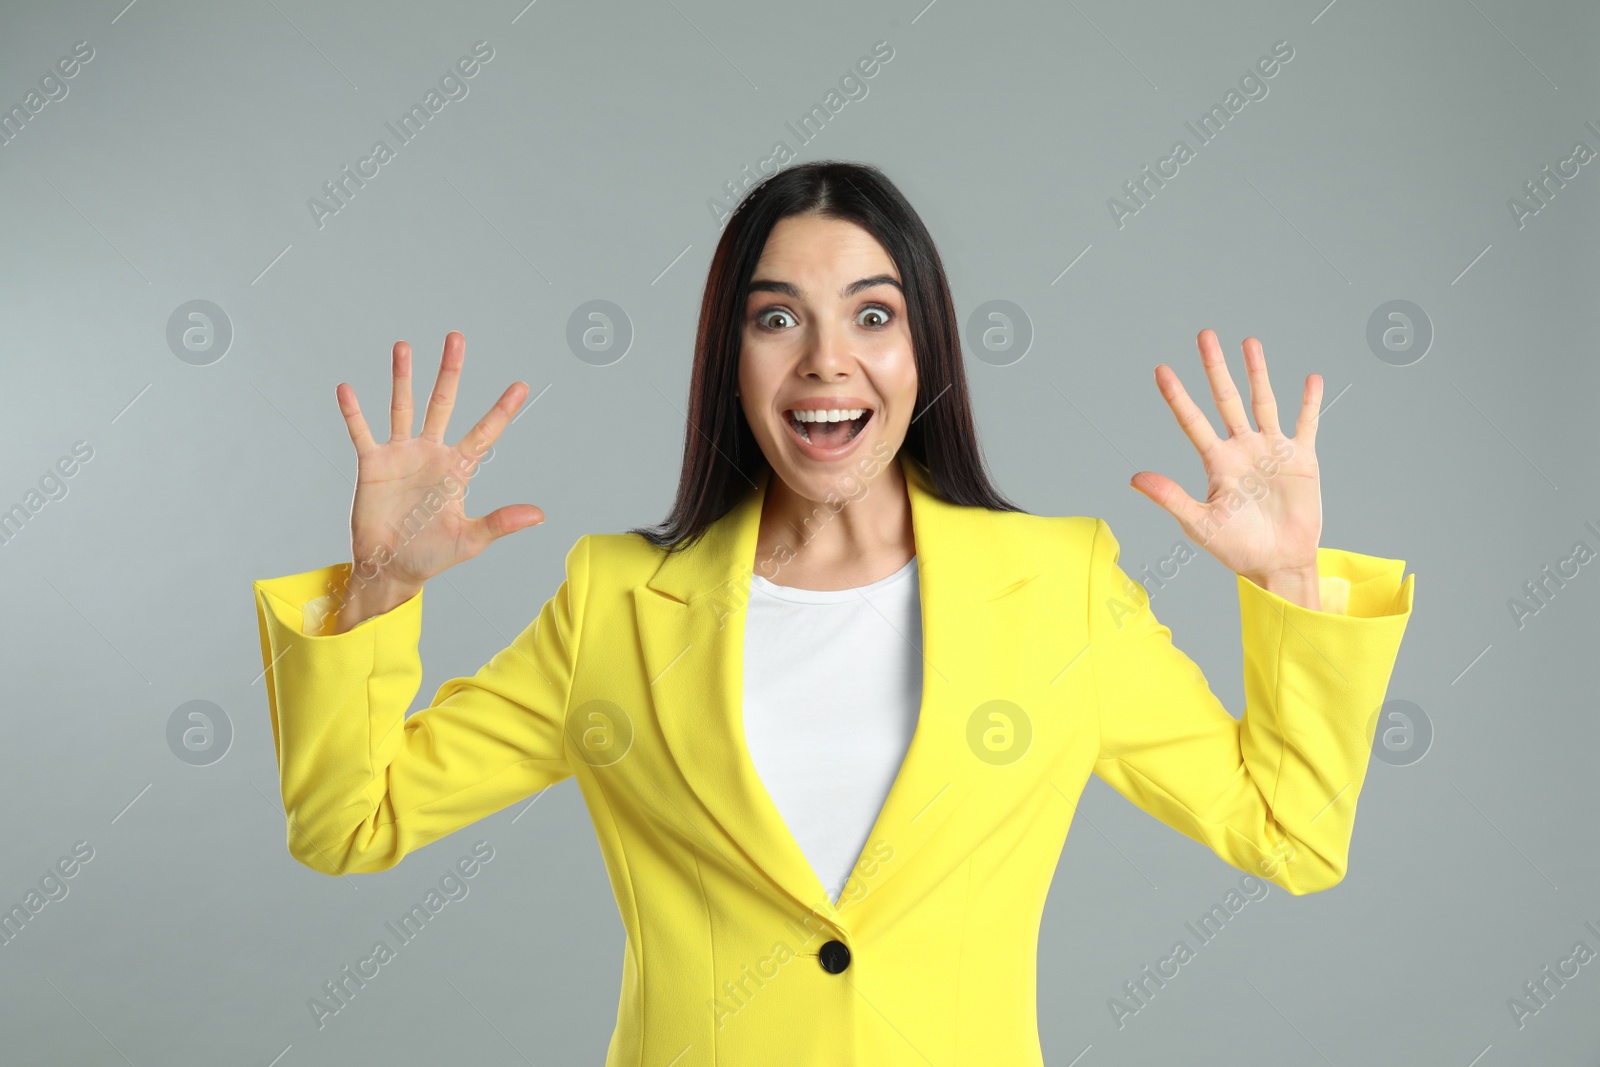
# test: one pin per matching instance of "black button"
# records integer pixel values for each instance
(834, 957)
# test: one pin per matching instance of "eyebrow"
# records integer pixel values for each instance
(787, 289)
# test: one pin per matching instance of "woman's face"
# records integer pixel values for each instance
(825, 331)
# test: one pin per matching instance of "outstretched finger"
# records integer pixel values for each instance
(443, 399)
(360, 435)
(1262, 402)
(1190, 418)
(482, 436)
(1229, 404)
(400, 397)
(1305, 428)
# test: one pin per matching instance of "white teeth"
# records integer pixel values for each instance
(803, 417)
(833, 415)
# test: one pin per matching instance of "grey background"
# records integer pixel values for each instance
(579, 167)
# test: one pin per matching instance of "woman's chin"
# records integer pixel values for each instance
(819, 473)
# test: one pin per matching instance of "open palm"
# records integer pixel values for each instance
(1262, 517)
(407, 522)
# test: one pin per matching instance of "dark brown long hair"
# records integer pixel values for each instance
(721, 457)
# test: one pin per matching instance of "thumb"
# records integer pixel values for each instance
(501, 521)
(1171, 498)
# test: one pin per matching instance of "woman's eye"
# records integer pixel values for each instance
(874, 317)
(881, 312)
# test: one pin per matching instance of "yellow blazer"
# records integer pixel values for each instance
(1042, 663)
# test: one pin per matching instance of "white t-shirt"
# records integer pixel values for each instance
(832, 688)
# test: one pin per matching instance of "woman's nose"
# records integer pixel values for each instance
(828, 352)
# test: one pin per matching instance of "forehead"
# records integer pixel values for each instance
(822, 249)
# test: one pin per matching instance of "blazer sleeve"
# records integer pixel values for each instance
(362, 784)
(1274, 791)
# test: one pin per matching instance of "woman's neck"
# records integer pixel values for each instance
(836, 543)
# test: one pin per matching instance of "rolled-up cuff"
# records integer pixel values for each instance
(306, 604)
(1351, 584)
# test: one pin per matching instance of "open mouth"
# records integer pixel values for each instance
(828, 429)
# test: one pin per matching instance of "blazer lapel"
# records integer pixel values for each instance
(691, 630)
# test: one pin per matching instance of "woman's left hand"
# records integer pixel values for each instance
(1263, 512)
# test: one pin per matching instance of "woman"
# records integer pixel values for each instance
(832, 718)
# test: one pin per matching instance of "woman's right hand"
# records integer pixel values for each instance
(407, 522)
